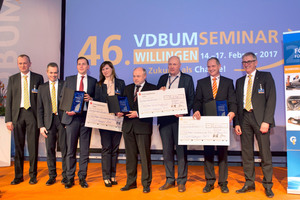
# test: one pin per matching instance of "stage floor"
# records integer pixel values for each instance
(97, 190)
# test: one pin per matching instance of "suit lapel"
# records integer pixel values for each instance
(255, 83)
(19, 88)
(181, 81)
(209, 88)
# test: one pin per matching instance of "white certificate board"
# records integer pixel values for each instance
(209, 130)
(98, 117)
(157, 103)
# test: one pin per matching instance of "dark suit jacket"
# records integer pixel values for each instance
(204, 94)
(140, 126)
(44, 105)
(263, 104)
(14, 90)
(101, 91)
(71, 82)
(186, 82)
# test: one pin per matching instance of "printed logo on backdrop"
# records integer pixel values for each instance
(292, 53)
(293, 140)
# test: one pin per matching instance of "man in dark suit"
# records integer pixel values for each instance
(137, 134)
(218, 88)
(20, 116)
(169, 125)
(48, 118)
(256, 101)
(75, 124)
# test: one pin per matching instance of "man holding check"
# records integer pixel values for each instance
(169, 125)
(218, 88)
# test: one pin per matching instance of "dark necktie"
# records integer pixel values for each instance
(136, 91)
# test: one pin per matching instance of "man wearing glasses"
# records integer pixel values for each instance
(256, 100)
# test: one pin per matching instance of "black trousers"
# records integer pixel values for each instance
(138, 144)
(169, 137)
(110, 141)
(74, 131)
(26, 124)
(249, 129)
(56, 133)
(209, 152)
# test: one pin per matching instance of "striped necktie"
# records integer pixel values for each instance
(249, 94)
(26, 95)
(53, 98)
(215, 87)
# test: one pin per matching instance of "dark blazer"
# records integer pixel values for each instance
(140, 126)
(14, 90)
(204, 94)
(44, 105)
(186, 82)
(101, 91)
(71, 82)
(263, 104)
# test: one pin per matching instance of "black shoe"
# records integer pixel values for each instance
(107, 183)
(64, 181)
(69, 184)
(114, 182)
(51, 181)
(224, 189)
(83, 183)
(167, 186)
(17, 181)
(32, 181)
(146, 189)
(128, 187)
(208, 188)
(246, 188)
(181, 188)
(269, 193)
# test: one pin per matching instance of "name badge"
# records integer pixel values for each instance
(34, 90)
(261, 90)
(118, 92)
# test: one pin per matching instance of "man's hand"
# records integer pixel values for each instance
(132, 114)
(264, 127)
(238, 130)
(10, 126)
(231, 116)
(70, 113)
(197, 115)
(163, 88)
(119, 114)
(177, 115)
(87, 97)
(43, 131)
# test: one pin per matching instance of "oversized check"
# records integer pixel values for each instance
(98, 117)
(158, 103)
(209, 130)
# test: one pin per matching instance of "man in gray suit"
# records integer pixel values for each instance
(20, 116)
(256, 101)
(75, 124)
(48, 118)
(169, 125)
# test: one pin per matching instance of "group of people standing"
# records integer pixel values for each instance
(32, 105)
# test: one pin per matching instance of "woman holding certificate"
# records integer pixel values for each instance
(109, 85)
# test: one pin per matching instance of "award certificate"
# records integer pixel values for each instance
(98, 117)
(158, 103)
(209, 130)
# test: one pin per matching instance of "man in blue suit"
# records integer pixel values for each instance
(169, 125)
(75, 124)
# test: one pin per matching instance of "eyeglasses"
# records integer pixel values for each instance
(248, 62)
